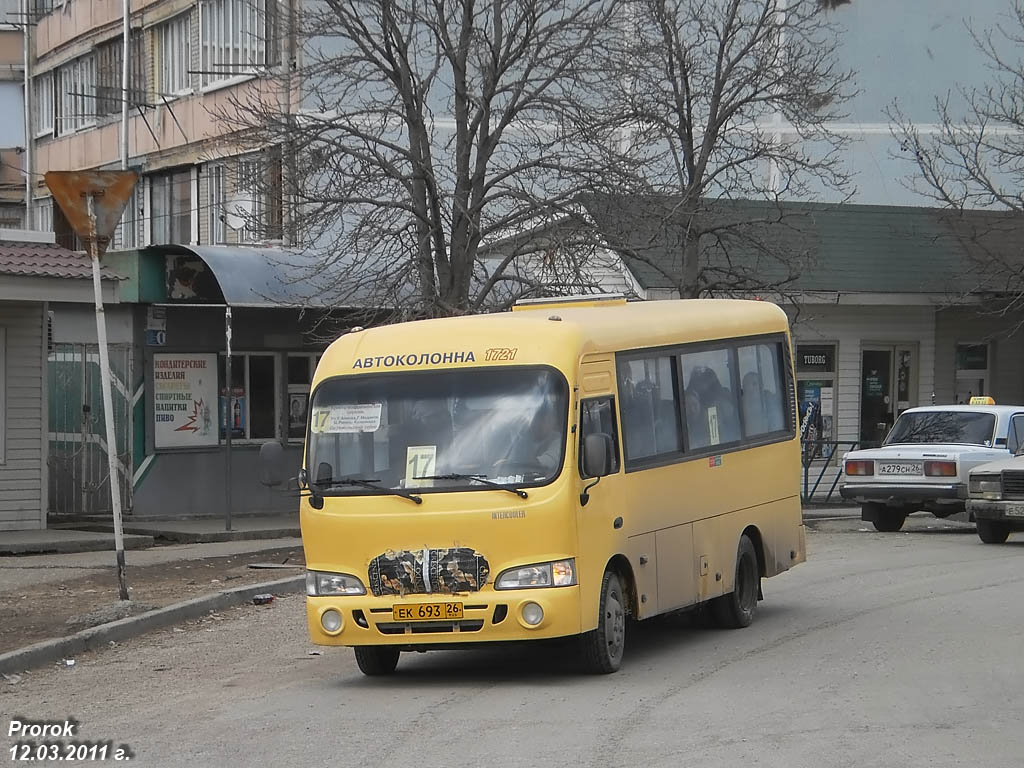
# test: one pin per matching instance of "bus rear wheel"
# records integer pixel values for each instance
(604, 646)
(991, 532)
(375, 660)
(737, 609)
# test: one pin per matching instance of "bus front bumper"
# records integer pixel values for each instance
(492, 616)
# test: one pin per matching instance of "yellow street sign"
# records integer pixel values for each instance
(109, 190)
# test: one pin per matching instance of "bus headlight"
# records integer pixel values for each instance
(560, 573)
(321, 583)
(987, 486)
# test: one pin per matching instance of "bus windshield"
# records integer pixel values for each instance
(395, 431)
(943, 427)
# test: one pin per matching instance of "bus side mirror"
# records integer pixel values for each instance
(597, 454)
(272, 463)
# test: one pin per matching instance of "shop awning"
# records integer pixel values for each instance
(261, 277)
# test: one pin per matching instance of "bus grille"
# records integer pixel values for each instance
(1013, 485)
(430, 627)
(428, 571)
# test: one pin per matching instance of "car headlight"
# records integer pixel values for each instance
(986, 486)
(560, 573)
(320, 583)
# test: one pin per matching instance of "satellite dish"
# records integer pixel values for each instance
(238, 210)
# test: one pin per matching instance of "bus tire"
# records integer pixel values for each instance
(376, 660)
(738, 608)
(992, 532)
(602, 648)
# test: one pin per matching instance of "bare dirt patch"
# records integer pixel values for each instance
(28, 616)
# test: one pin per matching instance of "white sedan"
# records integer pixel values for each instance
(925, 461)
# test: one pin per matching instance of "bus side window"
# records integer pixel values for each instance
(598, 415)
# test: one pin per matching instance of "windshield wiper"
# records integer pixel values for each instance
(480, 479)
(366, 483)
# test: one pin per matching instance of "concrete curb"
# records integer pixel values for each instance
(49, 651)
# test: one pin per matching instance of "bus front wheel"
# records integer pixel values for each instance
(374, 660)
(604, 646)
(736, 609)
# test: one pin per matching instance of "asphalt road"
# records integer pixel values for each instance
(882, 650)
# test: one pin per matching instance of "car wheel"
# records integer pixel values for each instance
(992, 532)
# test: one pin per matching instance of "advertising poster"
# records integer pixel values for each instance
(298, 401)
(184, 391)
(816, 405)
(237, 412)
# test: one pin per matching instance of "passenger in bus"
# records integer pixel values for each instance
(717, 404)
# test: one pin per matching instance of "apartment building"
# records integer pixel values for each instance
(190, 62)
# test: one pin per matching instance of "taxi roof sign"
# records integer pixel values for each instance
(982, 401)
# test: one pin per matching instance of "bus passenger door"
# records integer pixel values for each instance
(606, 527)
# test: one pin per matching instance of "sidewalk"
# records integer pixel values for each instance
(205, 529)
(41, 594)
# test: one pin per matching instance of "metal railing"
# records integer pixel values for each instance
(821, 456)
(79, 473)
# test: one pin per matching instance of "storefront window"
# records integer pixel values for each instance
(815, 387)
(971, 372)
(300, 374)
(254, 404)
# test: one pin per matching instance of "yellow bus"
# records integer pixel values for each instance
(547, 472)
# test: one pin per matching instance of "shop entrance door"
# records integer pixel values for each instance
(888, 386)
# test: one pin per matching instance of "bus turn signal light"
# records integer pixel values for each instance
(940, 468)
(860, 468)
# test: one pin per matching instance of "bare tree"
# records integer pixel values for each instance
(426, 128)
(971, 162)
(728, 100)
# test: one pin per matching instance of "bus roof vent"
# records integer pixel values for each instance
(583, 300)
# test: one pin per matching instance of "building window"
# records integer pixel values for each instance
(76, 83)
(216, 190)
(259, 184)
(254, 410)
(244, 196)
(43, 7)
(174, 54)
(42, 104)
(816, 400)
(650, 409)
(128, 233)
(10, 217)
(972, 377)
(109, 94)
(300, 376)
(234, 38)
(42, 215)
(171, 207)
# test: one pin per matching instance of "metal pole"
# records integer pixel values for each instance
(127, 12)
(108, 403)
(228, 420)
(26, 8)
